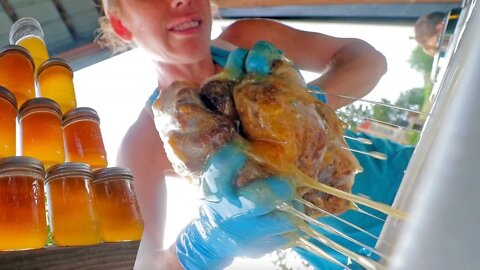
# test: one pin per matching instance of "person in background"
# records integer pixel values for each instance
(176, 36)
(428, 30)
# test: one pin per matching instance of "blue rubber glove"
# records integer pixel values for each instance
(259, 59)
(234, 66)
(233, 222)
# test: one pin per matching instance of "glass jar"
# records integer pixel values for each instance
(118, 210)
(17, 72)
(71, 205)
(27, 32)
(8, 116)
(55, 81)
(22, 204)
(41, 131)
(83, 138)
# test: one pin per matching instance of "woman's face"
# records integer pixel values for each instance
(172, 31)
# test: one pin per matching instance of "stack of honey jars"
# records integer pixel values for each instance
(61, 155)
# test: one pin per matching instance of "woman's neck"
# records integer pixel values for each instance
(167, 73)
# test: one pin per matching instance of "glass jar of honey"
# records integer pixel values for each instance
(22, 204)
(28, 33)
(55, 81)
(41, 131)
(83, 138)
(71, 204)
(17, 72)
(118, 210)
(8, 117)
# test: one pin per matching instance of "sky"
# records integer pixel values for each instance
(119, 87)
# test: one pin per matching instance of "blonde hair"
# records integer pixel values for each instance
(106, 36)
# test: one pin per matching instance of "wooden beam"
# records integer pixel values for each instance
(118, 256)
(270, 3)
(66, 19)
(9, 10)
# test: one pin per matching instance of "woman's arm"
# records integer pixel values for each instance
(142, 151)
(350, 67)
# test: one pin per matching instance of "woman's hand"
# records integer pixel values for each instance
(236, 222)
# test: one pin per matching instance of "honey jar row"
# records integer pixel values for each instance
(53, 79)
(46, 134)
(84, 207)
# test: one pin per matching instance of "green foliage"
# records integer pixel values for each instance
(353, 115)
(420, 61)
(383, 113)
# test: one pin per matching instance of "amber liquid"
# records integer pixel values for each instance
(8, 116)
(36, 46)
(72, 212)
(118, 211)
(42, 137)
(17, 75)
(22, 213)
(84, 143)
(56, 83)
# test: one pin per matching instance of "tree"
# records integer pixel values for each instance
(354, 114)
(421, 61)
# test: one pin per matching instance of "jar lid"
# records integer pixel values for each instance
(54, 62)
(69, 169)
(23, 163)
(9, 96)
(81, 112)
(17, 49)
(40, 103)
(112, 172)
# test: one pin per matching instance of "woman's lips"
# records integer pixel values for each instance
(186, 26)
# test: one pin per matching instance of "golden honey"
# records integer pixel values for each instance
(28, 33)
(8, 116)
(71, 205)
(37, 48)
(22, 204)
(41, 131)
(17, 72)
(83, 138)
(118, 210)
(55, 81)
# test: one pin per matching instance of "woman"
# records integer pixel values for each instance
(176, 36)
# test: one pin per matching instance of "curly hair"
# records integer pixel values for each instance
(106, 36)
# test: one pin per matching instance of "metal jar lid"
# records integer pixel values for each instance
(22, 164)
(9, 96)
(17, 49)
(80, 113)
(112, 173)
(75, 169)
(54, 62)
(39, 103)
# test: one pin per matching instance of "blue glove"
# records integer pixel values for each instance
(259, 59)
(233, 222)
(234, 66)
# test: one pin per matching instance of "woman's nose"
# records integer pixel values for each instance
(180, 3)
